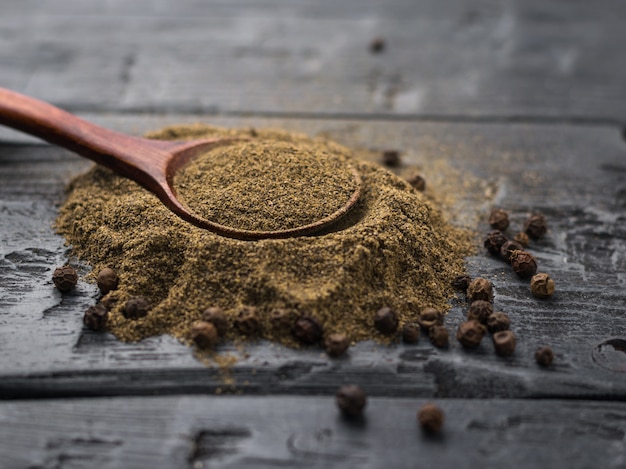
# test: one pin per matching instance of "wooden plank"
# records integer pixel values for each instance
(259, 432)
(444, 59)
(574, 174)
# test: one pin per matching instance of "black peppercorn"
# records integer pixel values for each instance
(480, 289)
(524, 264)
(204, 334)
(479, 310)
(411, 333)
(542, 286)
(247, 321)
(136, 307)
(282, 319)
(499, 219)
(431, 418)
(461, 282)
(508, 248)
(377, 45)
(498, 321)
(336, 344)
(536, 226)
(429, 317)
(522, 238)
(504, 342)
(307, 330)
(216, 316)
(417, 182)
(107, 280)
(391, 158)
(351, 400)
(386, 320)
(439, 336)
(494, 242)
(471, 333)
(65, 278)
(544, 356)
(96, 317)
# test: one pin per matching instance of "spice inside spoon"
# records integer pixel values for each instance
(152, 164)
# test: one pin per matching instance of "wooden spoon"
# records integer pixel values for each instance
(150, 163)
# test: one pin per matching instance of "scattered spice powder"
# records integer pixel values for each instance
(393, 249)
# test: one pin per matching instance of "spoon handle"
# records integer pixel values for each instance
(121, 153)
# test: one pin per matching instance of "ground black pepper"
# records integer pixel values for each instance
(338, 278)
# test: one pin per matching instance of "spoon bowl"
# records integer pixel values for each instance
(152, 164)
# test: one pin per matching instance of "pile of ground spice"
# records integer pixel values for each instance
(393, 249)
(223, 185)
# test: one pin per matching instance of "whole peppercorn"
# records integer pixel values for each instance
(386, 320)
(336, 344)
(411, 333)
(107, 280)
(136, 307)
(282, 319)
(429, 317)
(494, 242)
(65, 278)
(351, 400)
(417, 182)
(109, 301)
(544, 356)
(471, 333)
(499, 219)
(522, 238)
(504, 342)
(461, 282)
(536, 226)
(204, 334)
(377, 45)
(479, 310)
(247, 321)
(307, 330)
(508, 248)
(96, 317)
(391, 158)
(524, 264)
(216, 316)
(480, 289)
(542, 285)
(498, 321)
(430, 418)
(439, 336)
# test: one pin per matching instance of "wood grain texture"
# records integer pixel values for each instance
(281, 431)
(486, 59)
(573, 174)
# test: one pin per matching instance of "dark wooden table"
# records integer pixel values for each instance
(524, 99)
